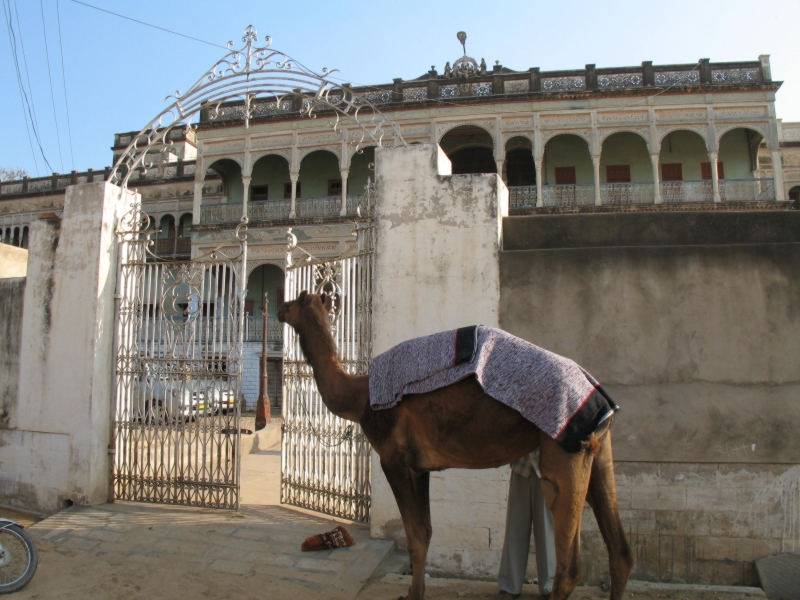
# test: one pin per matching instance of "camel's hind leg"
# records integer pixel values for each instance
(412, 493)
(602, 498)
(565, 482)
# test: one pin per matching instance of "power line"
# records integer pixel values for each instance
(150, 25)
(23, 95)
(25, 64)
(64, 79)
(50, 79)
(6, 10)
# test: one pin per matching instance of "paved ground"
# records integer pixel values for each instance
(138, 551)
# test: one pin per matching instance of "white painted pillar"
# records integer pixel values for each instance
(292, 212)
(596, 165)
(539, 194)
(245, 194)
(345, 173)
(500, 162)
(198, 200)
(656, 179)
(777, 170)
(712, 158)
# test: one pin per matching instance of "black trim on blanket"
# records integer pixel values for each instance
(596, 409)
(466, 344)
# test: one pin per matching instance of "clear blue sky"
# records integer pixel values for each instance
(118, 72)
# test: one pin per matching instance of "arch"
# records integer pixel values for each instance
(167, 226)
(270, 174)
(302, 153)
(24, 240)
(230, 171)
(520, 169)
(265, 277)
(681, 155)
(183, 222)
(567, 151)
(625, 150)
(446, 128)
(470, 148)
(738, 152)
(16, 239)
(319, 170)
(7, 238)
(362, 167)
(668, 131)
(642, 133)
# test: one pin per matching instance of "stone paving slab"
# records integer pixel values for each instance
(134, 550)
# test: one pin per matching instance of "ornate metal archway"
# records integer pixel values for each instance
(264, 79)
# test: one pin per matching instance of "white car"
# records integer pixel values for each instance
(163, 397)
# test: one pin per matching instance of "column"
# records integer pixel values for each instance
(293, 177)
(656, 179)
(712, 158)
(500, 162)
(777, 171)
(245, 195)
(198, 199)
(596, 165)
(344, 173)
(539, 195)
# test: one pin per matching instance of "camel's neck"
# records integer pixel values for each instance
(345, 395)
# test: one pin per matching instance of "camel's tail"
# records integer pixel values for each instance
(602, 497)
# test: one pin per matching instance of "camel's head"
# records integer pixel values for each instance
(304, 307)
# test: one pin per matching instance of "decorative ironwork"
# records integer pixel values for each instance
(326, 460)
(747, 190)
(668, 78)
(254, 76)
(568, 195)
(415, 94)
(627, 193)
(465, 89)
(522, 197)
(736, 75)
(177, 371)
(563, 84)
(686, 191)
(619, 80)
(376, 97)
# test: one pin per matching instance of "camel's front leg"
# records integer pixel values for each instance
(411, 490)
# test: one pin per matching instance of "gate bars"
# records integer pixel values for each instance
(178, 372)
(325, 460)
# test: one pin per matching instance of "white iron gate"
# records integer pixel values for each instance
(178, 372)
(325, 459)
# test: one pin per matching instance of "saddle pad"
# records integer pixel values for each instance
(551, 391)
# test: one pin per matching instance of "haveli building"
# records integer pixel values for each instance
(643, 138)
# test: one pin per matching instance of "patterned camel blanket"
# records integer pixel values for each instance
(551, 391)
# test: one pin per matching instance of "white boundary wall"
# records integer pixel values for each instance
(437, 268)
(59, 450)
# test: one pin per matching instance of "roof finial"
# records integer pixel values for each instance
(462, 37)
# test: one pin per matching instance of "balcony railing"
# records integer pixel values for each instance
(522, 197)
(626, 193)
(172, 246)
(568, 195)
(676, 192)
(746, 190)
(254, 331)
(278, 210)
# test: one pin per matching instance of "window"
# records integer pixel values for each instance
(287, 190)
(672, 172)
(259, 192)
(705, 170)
(565, 175)
(618, 173)
(334, 187)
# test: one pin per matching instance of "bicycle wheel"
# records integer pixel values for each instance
(18, 559)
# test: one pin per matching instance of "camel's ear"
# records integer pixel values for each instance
(303, 298)
(327, 302)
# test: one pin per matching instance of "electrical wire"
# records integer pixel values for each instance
(22, 101)
(25, 64)
(26, 104)
(64, 79)
(50, 79)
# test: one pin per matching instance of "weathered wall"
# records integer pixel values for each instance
(12, 292)
(13, 261)
(692, 322)
(437, 268)
(59, 449)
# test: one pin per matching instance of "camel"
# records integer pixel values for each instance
(460, 426)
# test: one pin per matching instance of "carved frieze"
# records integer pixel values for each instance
(281, 141)
(740, 112)
(683, 114)
(791, 134)
(223, 147)
(622, 117)
(518, 123)
(566, 120)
